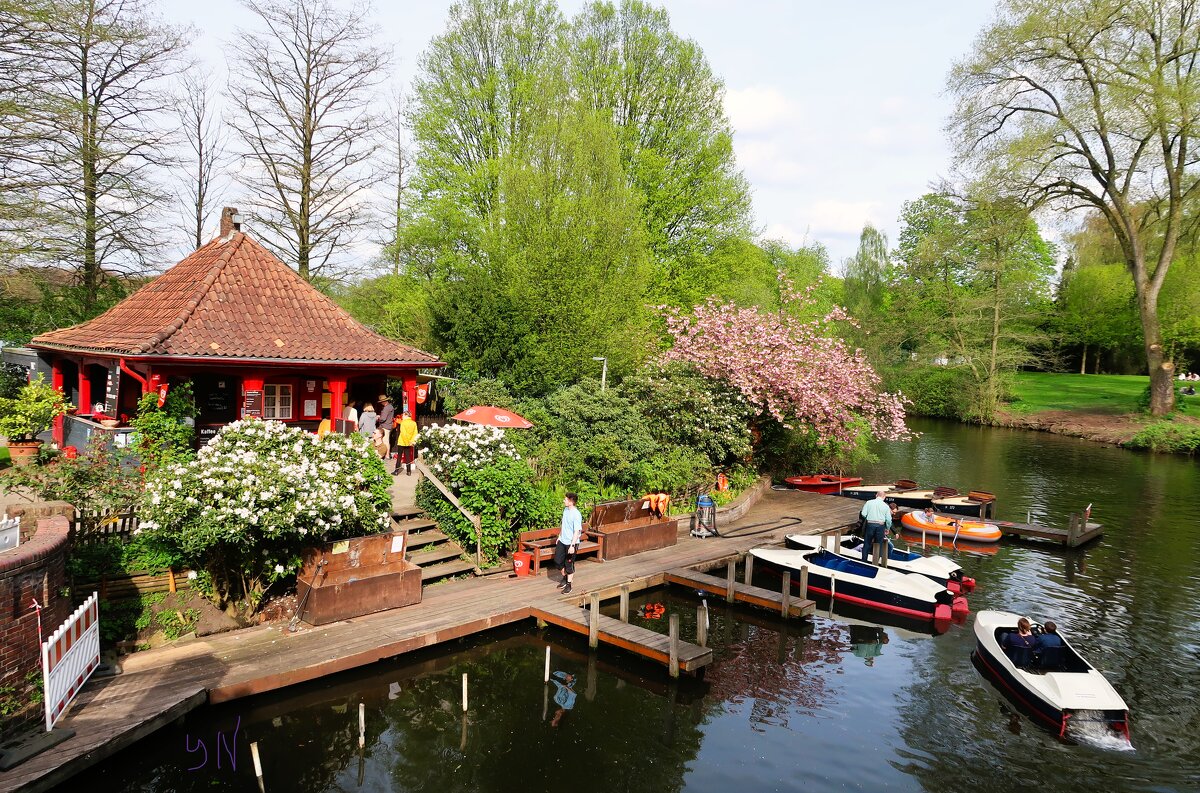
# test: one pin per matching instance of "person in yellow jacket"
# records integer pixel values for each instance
(406, 442)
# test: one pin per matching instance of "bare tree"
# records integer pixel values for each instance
(300, 103)
(205, 153)
(396, 171)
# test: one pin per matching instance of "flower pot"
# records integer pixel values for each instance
(23, 452)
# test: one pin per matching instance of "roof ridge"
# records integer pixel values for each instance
(214, 272)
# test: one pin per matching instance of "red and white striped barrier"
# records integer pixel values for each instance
(69, 657)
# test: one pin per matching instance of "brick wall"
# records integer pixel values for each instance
(35, 569)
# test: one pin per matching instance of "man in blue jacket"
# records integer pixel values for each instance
(569, 535)
(878, 519)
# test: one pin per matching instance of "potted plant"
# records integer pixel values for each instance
(30, 412)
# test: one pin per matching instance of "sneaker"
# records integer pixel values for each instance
(567, 589)
(561, 584)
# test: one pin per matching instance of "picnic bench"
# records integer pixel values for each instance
(540, 544)
(629, 527)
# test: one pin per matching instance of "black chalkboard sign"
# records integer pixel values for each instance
(216, 400)
(112, 390)
(253, 404)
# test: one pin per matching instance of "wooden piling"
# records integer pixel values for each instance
(730, 569)
(674, 636)
(547, 677)
(624, 602)
(464, 692)
(362, 724)
(804, 582)
(257, 765)
(702, 625)
(749, 569)
(1073, 530)
(787, 593)
(594, 621)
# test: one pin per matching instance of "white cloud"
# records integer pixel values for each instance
(759, 109)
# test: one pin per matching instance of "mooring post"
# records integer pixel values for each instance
(594, 621)
(464, 692)
(547, 677)
(832, 590)
(674, 635)
(749, 569)
(1073, 531)
(362, 725)
(624, 602)
(257, 765)
(804, 582)
(1029, 516)
(702, 625)
(787, 593)
(730, 569)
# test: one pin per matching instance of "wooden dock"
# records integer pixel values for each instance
(780, 602)
(158, 686)
(1078, 532)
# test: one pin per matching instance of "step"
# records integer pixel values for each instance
(422, 538)
(449, 550)
(412, 525)
(409, 511)
(446, 569)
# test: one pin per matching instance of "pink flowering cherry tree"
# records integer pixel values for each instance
(797, 370)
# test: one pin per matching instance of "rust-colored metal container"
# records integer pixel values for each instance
(350, 578)
(631, 527)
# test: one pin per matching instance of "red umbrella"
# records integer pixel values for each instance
(493, 417)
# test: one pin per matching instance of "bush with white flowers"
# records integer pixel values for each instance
(257, 495)
(445, 447)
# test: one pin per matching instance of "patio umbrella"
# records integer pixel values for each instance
(493, 417)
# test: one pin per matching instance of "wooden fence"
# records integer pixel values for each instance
(90, 527)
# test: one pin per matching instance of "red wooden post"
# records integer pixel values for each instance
(410, 393)
(56, 380)
(337, 391)
(85, 391)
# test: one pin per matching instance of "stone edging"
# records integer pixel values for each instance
(51, 537)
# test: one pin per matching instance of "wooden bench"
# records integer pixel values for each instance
(540, 544)
(629, 527)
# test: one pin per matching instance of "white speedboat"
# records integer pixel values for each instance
(864, 584)
(1063, 691)
(936, 568)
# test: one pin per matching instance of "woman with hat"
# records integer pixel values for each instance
(387, 416)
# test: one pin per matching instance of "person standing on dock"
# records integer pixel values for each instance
(569, 535)
(878, 519)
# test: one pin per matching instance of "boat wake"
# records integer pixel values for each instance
(1093, 729)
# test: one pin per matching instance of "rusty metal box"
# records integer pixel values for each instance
(350, 578)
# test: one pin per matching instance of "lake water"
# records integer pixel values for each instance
(835, 703)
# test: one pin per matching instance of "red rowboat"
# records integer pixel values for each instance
(823, 483)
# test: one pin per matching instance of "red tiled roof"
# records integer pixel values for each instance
(232, 298)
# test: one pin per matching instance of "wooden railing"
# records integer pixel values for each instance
(89, 526)
(466, 513)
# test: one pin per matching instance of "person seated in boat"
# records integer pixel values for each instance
(877, 517)
(1048, 647)
(927, 515)
(1019, 644)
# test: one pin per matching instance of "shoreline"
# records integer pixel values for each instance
(1114, 429)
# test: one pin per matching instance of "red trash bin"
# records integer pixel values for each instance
(522, 562)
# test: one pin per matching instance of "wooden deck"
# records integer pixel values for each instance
(637, 640)
(742, 593)
(158, 686)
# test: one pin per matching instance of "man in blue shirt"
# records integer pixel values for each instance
(1048, 647)
(564, 697)
(878, 519)
(569, 535)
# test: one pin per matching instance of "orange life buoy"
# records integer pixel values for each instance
(722, 483)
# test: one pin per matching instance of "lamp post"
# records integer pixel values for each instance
(603, 371)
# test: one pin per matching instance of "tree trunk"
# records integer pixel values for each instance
(88, 155)
(1162, 371)
(1083, 361)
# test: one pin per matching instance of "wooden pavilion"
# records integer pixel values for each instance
(251, 335)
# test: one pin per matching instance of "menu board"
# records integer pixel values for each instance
(252, 404)
(112, 390)
(217, 399)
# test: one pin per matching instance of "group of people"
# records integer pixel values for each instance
(391, 436)
(1025, 649)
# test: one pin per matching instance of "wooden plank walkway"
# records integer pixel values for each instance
(633, 638)
(159, 685)
(742, 593)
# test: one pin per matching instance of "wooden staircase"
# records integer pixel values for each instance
(436, 554)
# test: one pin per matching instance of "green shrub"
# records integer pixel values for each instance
(675, 471)
(32, 410)
(1167, 435)
(469, 391)
(940, 391)
(164, 434)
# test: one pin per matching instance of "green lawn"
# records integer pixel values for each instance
(1094, 393)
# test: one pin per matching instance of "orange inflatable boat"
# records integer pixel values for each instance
(948, 526)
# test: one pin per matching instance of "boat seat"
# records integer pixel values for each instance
(1049, 659)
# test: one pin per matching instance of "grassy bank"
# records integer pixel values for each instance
(1035, 392)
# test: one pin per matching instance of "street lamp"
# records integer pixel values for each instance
(603, 371)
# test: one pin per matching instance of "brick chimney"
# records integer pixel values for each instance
(231, 221)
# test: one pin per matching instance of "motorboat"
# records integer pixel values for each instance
(976, 504)
(950, 526)
(936, 568)
(1064, 691)
(829, 484)
(850, 581)
(868, 492)
(902, 493)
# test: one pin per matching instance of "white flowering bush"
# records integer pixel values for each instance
(445, 447)
(258, 494)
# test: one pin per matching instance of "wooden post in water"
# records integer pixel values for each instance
(1073, 531)
(787, 593)
(674, 637)
(702, 625)
(730, 569)
(832, 590)
(362, 725)
(257, 765)
(594, 621)
(547, 680)
(464, 692)
(749, 569)
(624, 602)
(804, 582)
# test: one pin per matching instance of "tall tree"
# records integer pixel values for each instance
(205, 153)
(97, 136)
(1093, 104)
(396, 170)
(865, 293)
(1097, 309)
(301, 102)
(676, 141)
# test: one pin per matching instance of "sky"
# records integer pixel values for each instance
(838, 107)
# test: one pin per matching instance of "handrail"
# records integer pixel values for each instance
(475, 520)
